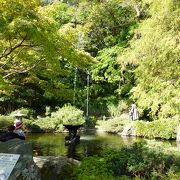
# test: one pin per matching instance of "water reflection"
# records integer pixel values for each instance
(91, 143)
(48, 144)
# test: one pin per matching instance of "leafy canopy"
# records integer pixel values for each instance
(155, 50)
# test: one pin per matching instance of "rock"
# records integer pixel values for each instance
(127, 130)
(52, 167)
(25, 167)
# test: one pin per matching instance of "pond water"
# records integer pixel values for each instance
(91, 143)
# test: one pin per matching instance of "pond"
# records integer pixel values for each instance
(91, 143)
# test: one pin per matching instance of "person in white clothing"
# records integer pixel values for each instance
(133, 112)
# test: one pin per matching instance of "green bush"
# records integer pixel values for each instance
(164, 128)
(69, 115)
(54, 123)
(113, 125)
(116, 111)
(93, 168)
(5, 121)
(29, 126)
(141, 161)
(46, 124)
(91, 122)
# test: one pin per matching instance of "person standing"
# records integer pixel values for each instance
(133, 112)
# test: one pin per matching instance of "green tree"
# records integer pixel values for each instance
(112, 24)
(155, 51)
(34, 52)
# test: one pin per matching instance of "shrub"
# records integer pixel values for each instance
(46, 124)
(65, 115)
(163, 128)
(141, 160)
(93, 168)
(116, 111)
(5, 121)
(69, 115)
(113, 125)
(91, 122)
(54, 123)
(30, 126)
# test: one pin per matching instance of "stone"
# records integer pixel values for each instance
(52, 167)
(126, 131)
(25, 167)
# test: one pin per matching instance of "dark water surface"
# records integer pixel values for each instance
(91, 143)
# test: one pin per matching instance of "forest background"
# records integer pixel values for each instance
(98, 55)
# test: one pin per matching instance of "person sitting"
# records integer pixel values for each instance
(10, 135)
(18, 128)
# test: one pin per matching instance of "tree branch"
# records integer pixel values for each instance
(11, 49)
(14, 71)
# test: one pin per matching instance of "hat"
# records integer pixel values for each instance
(18, 124)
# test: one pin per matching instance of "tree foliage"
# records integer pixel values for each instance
(34, 52)
(47, 51)
(155, 51)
